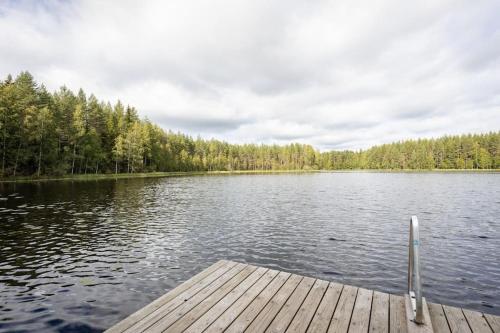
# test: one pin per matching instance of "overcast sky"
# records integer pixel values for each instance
(335, 74)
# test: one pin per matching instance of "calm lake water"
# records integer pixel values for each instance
(80, 256)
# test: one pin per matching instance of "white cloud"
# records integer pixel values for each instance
(336, 74)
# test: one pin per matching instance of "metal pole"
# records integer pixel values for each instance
(414, 280)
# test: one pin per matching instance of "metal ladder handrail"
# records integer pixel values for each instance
(414, 280)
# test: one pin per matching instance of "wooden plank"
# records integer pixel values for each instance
(456, 320)
(259, 303)
(413, 327)
(267, 314)
(215, 311)
(307, 310)
(292, 305)
(241, 304)
(145, 322)
(324, 313)
(197, 298)
(361, 313)
(180, 320)
(493, 321)
(379, 319)
(477, 322)
(153, 306)
(342, 315)
(397, 314)
(232, 297)
(438, 319)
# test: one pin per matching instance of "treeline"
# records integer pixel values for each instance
(478, 151)
(43, 133)
(66, 133)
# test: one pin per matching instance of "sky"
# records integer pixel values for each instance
(335, 74)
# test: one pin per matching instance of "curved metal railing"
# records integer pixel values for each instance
(414, 281)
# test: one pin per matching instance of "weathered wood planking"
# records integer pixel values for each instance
(379, 320)
(235, 297)
(322, 317)
(438, 319)
(397, 314)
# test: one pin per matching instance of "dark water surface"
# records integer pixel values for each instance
(80, 256)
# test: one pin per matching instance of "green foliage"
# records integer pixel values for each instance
(63, 133)
(479, 151)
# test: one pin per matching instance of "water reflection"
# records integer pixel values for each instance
(80, 256)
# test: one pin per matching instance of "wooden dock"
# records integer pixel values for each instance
(235, 297)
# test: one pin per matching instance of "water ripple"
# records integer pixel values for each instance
(81, 264)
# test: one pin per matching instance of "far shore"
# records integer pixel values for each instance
(87, 177)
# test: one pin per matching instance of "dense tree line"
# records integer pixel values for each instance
(61, 133)
(478, 151)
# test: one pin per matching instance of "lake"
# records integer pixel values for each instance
(80, 256)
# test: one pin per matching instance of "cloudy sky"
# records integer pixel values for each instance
(335, 74)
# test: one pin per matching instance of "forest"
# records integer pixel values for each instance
(61, 133)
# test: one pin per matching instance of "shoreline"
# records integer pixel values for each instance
(90, 177)
(103, 176)
(413, 171)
